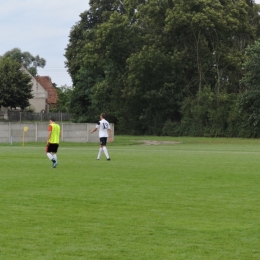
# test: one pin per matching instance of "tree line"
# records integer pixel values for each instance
(168, 67)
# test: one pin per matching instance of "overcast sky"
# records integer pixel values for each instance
(42, 28)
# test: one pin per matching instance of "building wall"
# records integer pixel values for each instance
(38, 102)
(46, 83)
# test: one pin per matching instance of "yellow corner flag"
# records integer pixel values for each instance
(25, 129)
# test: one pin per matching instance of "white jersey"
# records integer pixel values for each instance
(103, 125)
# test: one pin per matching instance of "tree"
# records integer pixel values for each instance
(249, 100)
(146, 59)
(83, 32)
(213, 35)
(15, 85)
(83, 43)
(251, 78)
(30, 62)
(81, 105)
(64, 97)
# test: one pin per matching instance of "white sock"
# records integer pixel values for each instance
(55, 157)
(50, 156)
(106, 152)
(100, 152)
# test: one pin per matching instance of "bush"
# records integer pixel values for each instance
(208, 114)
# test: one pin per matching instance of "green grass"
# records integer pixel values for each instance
(198, 199)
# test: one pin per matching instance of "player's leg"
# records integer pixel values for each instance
(50, 149)
(55, 157)
(54, 153)
(104, 143)
(100, 152)
(106, 152)
(49, 152)
(100, 149)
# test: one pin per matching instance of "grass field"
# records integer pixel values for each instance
(196, 199)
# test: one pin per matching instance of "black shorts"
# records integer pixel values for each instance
(103, 141)
(52, 148)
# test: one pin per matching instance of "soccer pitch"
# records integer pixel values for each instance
(198, 198)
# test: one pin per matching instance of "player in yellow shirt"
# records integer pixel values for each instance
(53, 141)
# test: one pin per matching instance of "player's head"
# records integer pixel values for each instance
(52, 120)
(102, 116)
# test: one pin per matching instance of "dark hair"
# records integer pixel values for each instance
(103, 115)
(52, 119)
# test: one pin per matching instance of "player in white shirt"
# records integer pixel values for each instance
(104, 133)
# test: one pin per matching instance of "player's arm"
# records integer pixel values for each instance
(49, 134)
(110, 135)
(94, 130)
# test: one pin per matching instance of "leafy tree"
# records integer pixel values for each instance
(80, 34)
(111, 56)
(153, 91)
(213, 35)
(83, 32)
(251, 78)
(249, 100)
(15, 86)
(249, 110)
(81, 104)
(30, 62)
(210, 114)
(147, 59)
(84, 42)
(112, 45)
(64, 97)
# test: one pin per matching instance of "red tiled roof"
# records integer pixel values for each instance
(45, 81)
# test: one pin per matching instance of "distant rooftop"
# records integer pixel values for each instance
(45, 81)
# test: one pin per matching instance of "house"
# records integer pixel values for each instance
(52, 98)
(40, 95)
(44, 95)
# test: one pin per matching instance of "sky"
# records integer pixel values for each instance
(42, 28)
